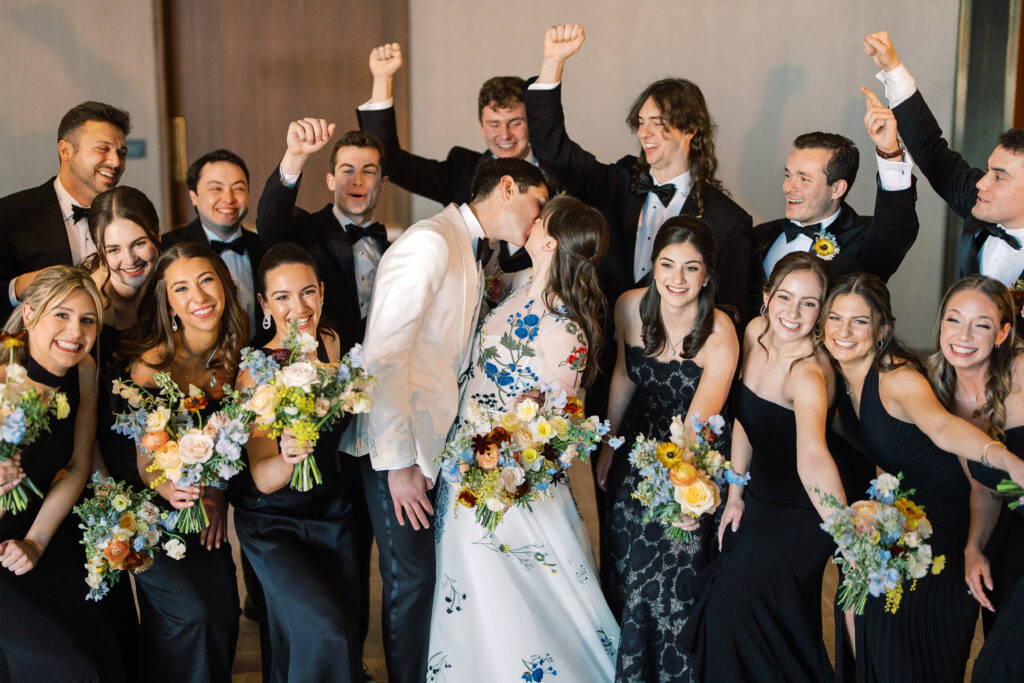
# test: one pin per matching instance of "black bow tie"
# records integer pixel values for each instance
(483, 251)
(236, 245)
(998, 232)
(792, 230)
(646, 184)
(79, 212)
(374, 231)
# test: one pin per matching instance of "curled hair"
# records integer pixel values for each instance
(120, 202)
(794, 262)
(681, 230)
(842, 164)
(891, 352)
(358, 138)
(999, 374)
(582, 236)
(1013, 140)
(153, 328)
(283, 254)
(682, 107)
(81, 114)
(503, 92)
(50, 287)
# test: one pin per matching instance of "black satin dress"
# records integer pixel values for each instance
(48, 631)
(189, 607)
(928, 640)
(758, 610)
(1002, 657)
(302, 547)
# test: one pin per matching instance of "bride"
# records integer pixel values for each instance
(524, 601)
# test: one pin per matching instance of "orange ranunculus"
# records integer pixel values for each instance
(669, 454)
(488, 459)
(574, 407)
(683, 474)
(467, 498)
(154, 440)
(116, 553)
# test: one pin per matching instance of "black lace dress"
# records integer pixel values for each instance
(1002, 658)
(646, 573)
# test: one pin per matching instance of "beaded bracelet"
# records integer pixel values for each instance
(984, 453)
(740, 480)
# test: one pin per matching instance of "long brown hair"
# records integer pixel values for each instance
(793, 262)
(999, 375)
(284, 254)
(582, 236)
(154, 326)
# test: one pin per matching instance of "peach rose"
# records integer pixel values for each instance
(154, 440)
(195, 447)
(263, 401)
(167, 457)
(488, 459)
(301, 375)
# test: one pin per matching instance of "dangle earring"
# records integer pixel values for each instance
(174, 323)
(764, 311)
(266, 320)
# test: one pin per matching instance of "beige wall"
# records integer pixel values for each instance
(57, 53)
(769, 70)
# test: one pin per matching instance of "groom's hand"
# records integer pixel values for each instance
(409, 488)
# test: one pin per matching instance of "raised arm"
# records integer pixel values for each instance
(385, 61)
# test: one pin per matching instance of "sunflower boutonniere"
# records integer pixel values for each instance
(826, 246)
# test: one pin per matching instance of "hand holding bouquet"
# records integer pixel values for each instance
(123, 530)
(499, 459)
(881, 544)
(680, 479)
(303, 397)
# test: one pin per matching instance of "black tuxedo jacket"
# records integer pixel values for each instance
(32, 236)
(947, 172)
(873, 244)
(279, 220)
(606, 187)
(444, 182)
(193, 232)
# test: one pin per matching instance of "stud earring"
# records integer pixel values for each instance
(266, 320)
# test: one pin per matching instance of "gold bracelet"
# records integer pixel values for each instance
(984, 452)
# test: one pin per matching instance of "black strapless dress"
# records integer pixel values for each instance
(929, 637)
(758, 610)
(302, 547)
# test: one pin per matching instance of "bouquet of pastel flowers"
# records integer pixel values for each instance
(170, 429)
(302, 396)
(881, 544)
(24, 416)
(499, 459)
(123, 530)
(680, 476)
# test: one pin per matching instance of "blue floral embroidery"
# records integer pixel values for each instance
(452, 596)
(582, 572)
(436, 666)
(608, 643)
(512, 375)
(441, 503)
(537, 667)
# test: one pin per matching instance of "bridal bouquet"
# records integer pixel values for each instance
(504, 458)
(680, 480)
(881, 544)
(302, 396)
(186, 451)
(24, 415)
(123, 530)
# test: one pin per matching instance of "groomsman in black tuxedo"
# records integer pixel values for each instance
(819, 174)
(218, 186)
(347, 245)
(49, 225)
(502, 119)
(990, 202)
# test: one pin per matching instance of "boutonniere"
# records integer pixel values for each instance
(1017, 291)
(826, 246)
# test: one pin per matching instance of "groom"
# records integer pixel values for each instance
(418, 343)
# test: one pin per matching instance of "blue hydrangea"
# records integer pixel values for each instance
(450, 471)
(14, 427)
(260, 365)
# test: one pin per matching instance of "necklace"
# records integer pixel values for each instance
(672, 346)
(206, 363)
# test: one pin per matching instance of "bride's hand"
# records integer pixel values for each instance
(604, 464)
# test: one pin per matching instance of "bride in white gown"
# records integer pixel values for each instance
(524, 602)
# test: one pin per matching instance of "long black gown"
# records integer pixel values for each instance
(48, 631)
(929, 638)
(758, 610)
(302, 546)
(1002, 657)
(190, 606)
(648, 573)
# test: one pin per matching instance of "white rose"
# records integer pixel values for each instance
(157, 420)
(697, 498)
(568, 455)
(511, 478)
(301, 374)
(920, 562)
(195, 447)
(321, 406)
(175, 549)
(148, 513)
(526, 410)
(307, 343)
(494, 505)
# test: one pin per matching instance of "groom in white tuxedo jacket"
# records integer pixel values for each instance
(418, 343)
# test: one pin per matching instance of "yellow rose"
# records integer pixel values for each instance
(697, 498)
(263, 401)
(526, 410)
(510, 422)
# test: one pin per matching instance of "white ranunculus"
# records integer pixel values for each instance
(307, 343)
(886, 484)
(195, 447)
(157, 419)
(301, 374)
(175, 549)
(512, 478)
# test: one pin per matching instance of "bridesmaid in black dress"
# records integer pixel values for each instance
(758, 614)
(978, 374)
(190, 325)
(301, 544)
(677, 355)
(48, 631)
(889, 410)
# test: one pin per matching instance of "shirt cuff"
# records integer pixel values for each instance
(543, 86)
(899, 85)
(895, 175)
(289, 179)
(369, 105)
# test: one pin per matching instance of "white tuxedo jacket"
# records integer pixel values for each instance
(419, 334)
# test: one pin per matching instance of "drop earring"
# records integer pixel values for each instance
(174, 323)
(266, 320)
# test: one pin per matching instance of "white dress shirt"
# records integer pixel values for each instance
(652, 216)
(240, 267)
(366, 253)
(801, 242)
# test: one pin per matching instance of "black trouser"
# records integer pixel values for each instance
(352, 480)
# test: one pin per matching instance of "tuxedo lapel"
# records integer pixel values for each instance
(970, 259)
(254, 247)
(50, 229)
(630, 227)
(339, 244)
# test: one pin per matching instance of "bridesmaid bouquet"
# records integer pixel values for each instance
(680, 480)
(499, 459)
(170, 430)
(123, 529)
(24, 416)
(305, 397)
(881, 544)
(1011, 489)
